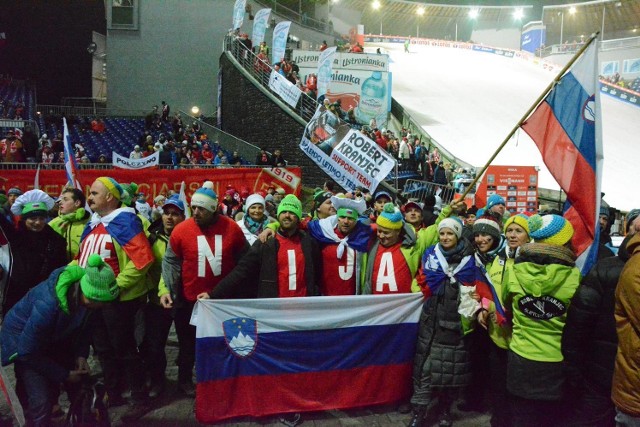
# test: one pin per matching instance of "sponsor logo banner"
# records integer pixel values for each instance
(284, 88)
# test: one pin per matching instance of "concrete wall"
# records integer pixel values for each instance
(172, 57)
(251, 115)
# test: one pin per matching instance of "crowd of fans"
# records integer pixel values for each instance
(509, 325)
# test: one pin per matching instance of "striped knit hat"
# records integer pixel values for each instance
(552, 229)
(205, 197)
(487, 224)
(520, 219)
(112, 186)
(390, 217)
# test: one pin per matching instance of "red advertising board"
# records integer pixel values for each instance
(153, 182)
(517, 184)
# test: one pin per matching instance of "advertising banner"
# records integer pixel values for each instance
(349, 157)
(238, 13)
(280, 35)
(284, 88)
(351, 61)
(517, 184)
(127, 163)
(533, 36)
(621, 93)
(260, 26)
(325, 66)
(153, 182)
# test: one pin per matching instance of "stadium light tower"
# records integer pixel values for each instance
(376, 5)
(473, 13)
(419, 12)
(518, 14)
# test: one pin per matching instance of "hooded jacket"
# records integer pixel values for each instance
(70, 227)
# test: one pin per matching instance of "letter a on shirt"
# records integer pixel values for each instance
(386, 274)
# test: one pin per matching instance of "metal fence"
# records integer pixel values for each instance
(419, 190)
(68, 110)
(108, 166)
(249, 61)
(245, 149)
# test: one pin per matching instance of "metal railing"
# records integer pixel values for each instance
(68, 110)
(299, 18)
(245, 149)
(108, 166)
(261, 71)
(419, 190)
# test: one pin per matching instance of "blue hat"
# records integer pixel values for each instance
(604, 211)
(495, 199)
(205, 197)
(174, 201)
(551, 229)
(382, 193)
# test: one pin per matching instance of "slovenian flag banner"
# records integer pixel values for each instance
(566, 127)
(270, 356)
(70, 165)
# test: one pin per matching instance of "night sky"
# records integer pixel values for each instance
(47, 42)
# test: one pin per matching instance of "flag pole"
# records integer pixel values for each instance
(529, 111)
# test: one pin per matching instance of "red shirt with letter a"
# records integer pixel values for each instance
(391, 273)
(291, 267)
(207, 254)
(338, 275)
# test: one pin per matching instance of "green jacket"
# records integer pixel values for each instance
(500, 335)
(538, 296)
(159, 241)
(70, 227)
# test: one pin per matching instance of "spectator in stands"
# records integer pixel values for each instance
(440, 175)
(14, 151)
(277, 160)
(30, 144)
(47, 155)
(235, 159)
(323, 46)
(44, 140)
(57, 143)
(102, 159)
(165, 112)
(136, 153)
(263, 158)
(413, 214)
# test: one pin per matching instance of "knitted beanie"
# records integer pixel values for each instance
(552, 229)
(292, 204)
(487, 224)
(252, 200)
(520, 219)
(633, 214)
(99, 281)
(128, 191)
(390, 217)
(112, 186)
(452, 223)
(205, 197)
(14, 191)
(494, 199)
(321, 197)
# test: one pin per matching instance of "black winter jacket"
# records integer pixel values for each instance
(256, 274)
(589, 340)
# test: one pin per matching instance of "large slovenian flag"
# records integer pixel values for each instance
(70, 165)
(566, 127)
(270, 356)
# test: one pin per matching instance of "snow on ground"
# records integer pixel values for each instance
(469, 101)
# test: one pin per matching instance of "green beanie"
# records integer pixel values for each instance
(99, 281)
(129, 191)
(292, 204)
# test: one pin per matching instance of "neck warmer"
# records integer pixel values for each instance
(255, 227)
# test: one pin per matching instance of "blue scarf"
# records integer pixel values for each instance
(253, 226)
(357, 240)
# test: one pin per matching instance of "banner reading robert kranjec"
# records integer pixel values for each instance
(346, 155)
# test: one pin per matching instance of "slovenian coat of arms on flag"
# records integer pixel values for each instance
(271, 356)
(566, 128)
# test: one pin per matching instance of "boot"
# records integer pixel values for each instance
(445, 418)
(417, 418)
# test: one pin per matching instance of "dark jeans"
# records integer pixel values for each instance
(537, 413)
(592, 408)
(186, 342)
(115, 343)
(38, 394)
(157, 325)
(499, 398)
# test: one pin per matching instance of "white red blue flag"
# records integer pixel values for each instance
(271, 356)
(566, 127)
(70, 165)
